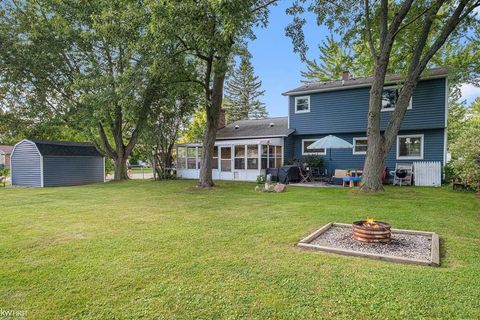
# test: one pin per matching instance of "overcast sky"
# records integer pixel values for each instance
(279, 68)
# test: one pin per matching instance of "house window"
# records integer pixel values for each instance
(389, 98)
(199, 158)
(226, 159)
(191, 158)
(240, 157)
(252, 157)
(271, 156)
(410, 147)
(360, 145)
(215, 158)
(306, 151)
(181, 157)
(302, 104)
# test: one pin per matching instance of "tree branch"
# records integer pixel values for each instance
(370, 41)
(265, 5)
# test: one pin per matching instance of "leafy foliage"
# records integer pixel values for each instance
(212, 33)
(96, 68)
(242, 93)
(195, 128)
(400, 35)
(464, 132)
(314, 161)
(333, 59)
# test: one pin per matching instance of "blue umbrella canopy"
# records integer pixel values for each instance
(330, 142)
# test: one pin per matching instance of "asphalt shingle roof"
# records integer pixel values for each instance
(261, 128)
(67, 148)
(355, 82)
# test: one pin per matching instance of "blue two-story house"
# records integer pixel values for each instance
(245, 149)
(340, 108)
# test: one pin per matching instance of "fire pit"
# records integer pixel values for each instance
(371, 231)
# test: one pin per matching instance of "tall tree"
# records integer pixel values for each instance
(426, 24)
(169, 116)
(212, 32)
(333, 59)
(242, 93)
(194, 130)
(95, 66)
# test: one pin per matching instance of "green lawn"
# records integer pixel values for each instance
(145, 249)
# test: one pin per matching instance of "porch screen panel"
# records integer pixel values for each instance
(278, 156)
(226, 158)
(252, 157)
(264, 157)
(271, 156)
(215, 158)
(199, 163)
(182, 158)
(191, 158)
(240, 157)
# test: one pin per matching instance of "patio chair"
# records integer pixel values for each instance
(305, 176)
(337, 178)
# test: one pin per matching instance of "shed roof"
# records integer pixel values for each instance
(359, 82)
(67, 148)
(261, 128)
(6, 149)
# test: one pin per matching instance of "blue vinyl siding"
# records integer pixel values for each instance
(26, 165)
(345, 159)
(343, 111)
(68, 171)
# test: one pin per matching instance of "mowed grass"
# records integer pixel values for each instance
(144, 249)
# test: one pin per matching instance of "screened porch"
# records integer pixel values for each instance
(242, 160)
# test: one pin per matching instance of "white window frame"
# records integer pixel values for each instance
(422, 145)
(410, 105)
(302, 111)
(355, 143)
(311, 153)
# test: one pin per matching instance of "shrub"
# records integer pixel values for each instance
(466, 156)
(314, 161)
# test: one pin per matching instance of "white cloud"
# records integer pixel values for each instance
(469, 92)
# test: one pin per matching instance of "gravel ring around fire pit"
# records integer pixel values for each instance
(406, 246)
(401, 245)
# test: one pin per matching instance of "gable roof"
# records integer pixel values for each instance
(67, 148)
(6, 149)
(359, 82)
(261, 128)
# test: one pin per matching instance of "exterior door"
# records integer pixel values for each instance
(226, 172)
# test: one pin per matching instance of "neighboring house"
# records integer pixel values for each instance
(340, 108)
(5, 152)
(56, 163)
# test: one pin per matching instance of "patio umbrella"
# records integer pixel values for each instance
(330, 142)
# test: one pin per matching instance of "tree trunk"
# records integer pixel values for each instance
(372, 181)
(121, 168)
(210, 135)
(374, 165)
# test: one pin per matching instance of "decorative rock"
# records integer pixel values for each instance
(280, 187)
(269, 187)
